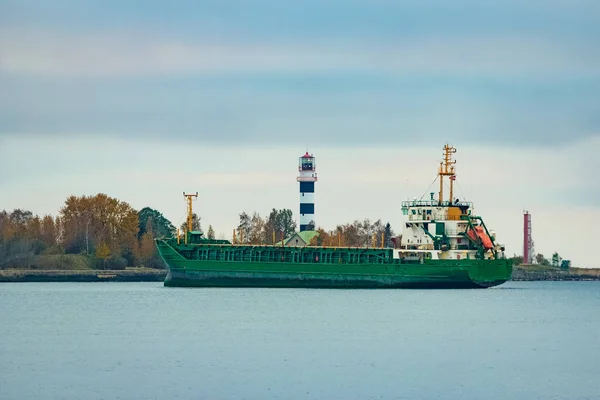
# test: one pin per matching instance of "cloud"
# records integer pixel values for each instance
(333, 109)
(348, 73)
(127, 55)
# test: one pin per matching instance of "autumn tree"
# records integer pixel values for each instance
(102, 253)
(350, 235)
(59, 230)
(357, 234)
(4, 226)
(148, 253)
(272, 226)
(7, 230)
(19, 221)
(20, 238)
(90, 220)
(34, 228)
(322, 239)
(48, 231)
(257, 229)
(331, 238)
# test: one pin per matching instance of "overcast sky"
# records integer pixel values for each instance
(145, 99)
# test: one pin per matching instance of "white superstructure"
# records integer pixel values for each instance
(445, 229)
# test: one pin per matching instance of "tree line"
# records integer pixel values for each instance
(114, 235)
(279, 225)
(540, 259)
(107, 230)
(358, 234)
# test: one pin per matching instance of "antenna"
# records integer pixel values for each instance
(189, 198)
(447, 169)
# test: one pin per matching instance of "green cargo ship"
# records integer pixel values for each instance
(443, 245)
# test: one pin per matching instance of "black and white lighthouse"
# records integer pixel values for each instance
(307, 178)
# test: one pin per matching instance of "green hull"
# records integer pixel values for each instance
(467, 273)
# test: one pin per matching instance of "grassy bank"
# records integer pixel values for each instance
(76, 262)
(74, 268)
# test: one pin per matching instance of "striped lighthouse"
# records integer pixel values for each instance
(307, 178)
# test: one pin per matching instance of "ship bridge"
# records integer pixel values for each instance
(428, 210)
(435, 203)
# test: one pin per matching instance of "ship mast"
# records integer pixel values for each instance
(447, 169)
(189, 198)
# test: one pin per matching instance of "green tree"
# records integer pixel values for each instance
(161, 226)
(281, 222)
(556, 259)
(244, 228)
(195, 224)
(517, 260)
(388, 234)
(211, 232)
(541, 260)
(286, 223)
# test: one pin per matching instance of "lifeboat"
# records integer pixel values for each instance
(477, 234)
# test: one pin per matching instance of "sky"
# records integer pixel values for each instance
(143, 100)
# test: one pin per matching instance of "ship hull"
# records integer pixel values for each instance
(456, 274)
(435, 275)
(187, 278)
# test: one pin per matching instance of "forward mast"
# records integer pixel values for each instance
(190, 215)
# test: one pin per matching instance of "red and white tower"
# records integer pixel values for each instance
(527, 241)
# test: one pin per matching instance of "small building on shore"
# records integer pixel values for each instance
(299, 239)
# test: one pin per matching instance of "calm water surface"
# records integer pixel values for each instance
(523, 340)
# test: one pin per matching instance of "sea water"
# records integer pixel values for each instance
(522, 340)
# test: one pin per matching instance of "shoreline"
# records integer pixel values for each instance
(543, 273)
(127, 275)
(520, 273)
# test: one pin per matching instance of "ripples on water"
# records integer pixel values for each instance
(523, 340)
